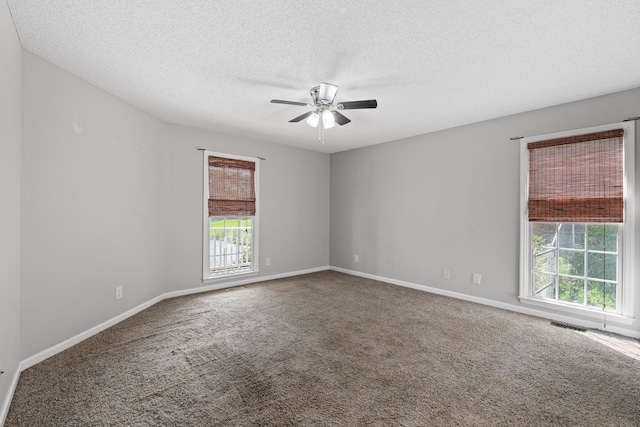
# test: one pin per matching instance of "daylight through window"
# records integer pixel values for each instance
(231, 209)
(573, 228)
(575, 263)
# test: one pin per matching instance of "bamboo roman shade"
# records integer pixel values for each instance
(577, 178)
(231, 187)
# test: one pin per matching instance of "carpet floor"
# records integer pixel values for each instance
(336, 350)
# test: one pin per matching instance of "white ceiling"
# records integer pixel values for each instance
(430, 64)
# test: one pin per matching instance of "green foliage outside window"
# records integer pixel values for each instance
(570, 248)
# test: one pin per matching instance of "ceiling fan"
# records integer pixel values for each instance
(325, 112)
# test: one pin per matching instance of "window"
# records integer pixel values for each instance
(577, 226)
(230, 228)
(576, 263)
(230, 245)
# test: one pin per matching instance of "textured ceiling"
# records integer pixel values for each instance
(430, 64)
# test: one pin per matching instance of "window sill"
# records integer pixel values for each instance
(231, 276)
(578, 311)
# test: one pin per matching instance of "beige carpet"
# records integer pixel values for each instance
(331, 349)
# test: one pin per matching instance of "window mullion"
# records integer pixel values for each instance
(235, 243)
(219, 246)
(557, 254)
(585, 279)
(619, 268)
(223, 246)
(212, 242)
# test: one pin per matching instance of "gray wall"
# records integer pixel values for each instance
(120, 204)
(10, 128)
(294, 204)
(450, 200)
(91, 206)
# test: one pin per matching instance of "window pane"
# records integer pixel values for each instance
(216, 262)
(599, 292)
(230, 244)
(571, 236)
(546, 261)
(571, 290)
(603, 237)
(602, 266)
(216, 238)
(543, 235)
(571, 262)
(215, 223)
(245, 231)
(544, 285)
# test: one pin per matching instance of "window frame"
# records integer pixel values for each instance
(626, 248)
(254, 268)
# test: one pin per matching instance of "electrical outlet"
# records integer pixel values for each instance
(356, 258)
(267, 262)
(446, 274)
(477, 278)
(119, 292)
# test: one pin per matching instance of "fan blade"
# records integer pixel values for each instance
(279, 101)
(340, 118)
(302, 117)
(354, 105)
(327, 92)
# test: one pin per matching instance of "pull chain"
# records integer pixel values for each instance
(321, 130)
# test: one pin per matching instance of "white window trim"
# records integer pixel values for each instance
(626, 242)
(206, 278)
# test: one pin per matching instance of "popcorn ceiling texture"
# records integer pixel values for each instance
(430, 64)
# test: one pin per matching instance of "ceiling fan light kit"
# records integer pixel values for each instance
(313, 120)
(325, 113)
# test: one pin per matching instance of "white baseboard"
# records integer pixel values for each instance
(247, 281)
(511, 307)
(55, 349)
(4, 409)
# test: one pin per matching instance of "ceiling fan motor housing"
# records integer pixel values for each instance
(314, 94)
(324, 94)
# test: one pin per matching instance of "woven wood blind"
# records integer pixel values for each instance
(231, 187)
(577, 179)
